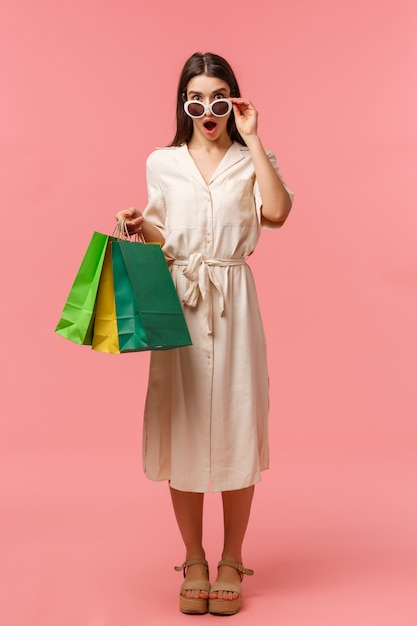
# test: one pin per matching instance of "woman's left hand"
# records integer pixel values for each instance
(246, 116)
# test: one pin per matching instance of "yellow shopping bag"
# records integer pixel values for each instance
(105, 332)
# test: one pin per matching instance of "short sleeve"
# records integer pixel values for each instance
(257, 193)
(154, 212)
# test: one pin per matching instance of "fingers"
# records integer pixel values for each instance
(135, 226)
(246, 116)
(130, 213)
(133, 220)
(242, 104)
(239, 101)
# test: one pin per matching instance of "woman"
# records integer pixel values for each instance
(205, 425)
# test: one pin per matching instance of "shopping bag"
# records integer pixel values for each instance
(105, 331)
(77, 318)
(148, 310)
(131, 332)
(123, 299)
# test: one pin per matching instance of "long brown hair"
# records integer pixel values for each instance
(210, 65)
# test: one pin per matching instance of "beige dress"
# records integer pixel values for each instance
(206, 413)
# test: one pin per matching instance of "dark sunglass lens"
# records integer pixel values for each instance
(196, 109)
(220, 108)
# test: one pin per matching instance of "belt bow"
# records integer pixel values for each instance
(199, 272)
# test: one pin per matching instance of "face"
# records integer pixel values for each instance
(206, 89)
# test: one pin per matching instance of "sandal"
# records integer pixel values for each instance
(193, 606)
(218, 606)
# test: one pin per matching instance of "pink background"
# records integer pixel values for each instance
(87, 91)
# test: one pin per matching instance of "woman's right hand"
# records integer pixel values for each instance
(133, 219)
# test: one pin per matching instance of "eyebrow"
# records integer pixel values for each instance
(198, 93)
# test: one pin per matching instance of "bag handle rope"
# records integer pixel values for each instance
(121, 231)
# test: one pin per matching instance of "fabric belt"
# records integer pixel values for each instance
(199, 272)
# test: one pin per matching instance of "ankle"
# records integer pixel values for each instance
(190, 555)
(231, 556)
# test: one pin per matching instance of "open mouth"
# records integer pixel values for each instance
(210, 125)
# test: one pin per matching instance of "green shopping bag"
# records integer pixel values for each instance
(77, 318)
(131, 333)
(148, 311)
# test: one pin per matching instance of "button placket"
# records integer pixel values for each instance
(209, 224)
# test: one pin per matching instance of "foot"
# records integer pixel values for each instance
(197, 572)
(227, 575)
(225, 593)
(196, 583)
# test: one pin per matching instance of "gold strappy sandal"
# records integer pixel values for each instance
(193, 606)
(218, 606)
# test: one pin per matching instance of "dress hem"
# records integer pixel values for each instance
(177, 488)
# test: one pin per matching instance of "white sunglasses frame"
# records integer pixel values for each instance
(207, 107)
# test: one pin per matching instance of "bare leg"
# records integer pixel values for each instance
(236, 511)
(188, 509)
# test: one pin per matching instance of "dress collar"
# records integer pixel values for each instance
(235, 153)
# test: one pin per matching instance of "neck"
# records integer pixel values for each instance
(200, 143)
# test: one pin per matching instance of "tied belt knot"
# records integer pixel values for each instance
(199, 272)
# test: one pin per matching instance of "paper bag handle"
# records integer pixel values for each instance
(121, 232)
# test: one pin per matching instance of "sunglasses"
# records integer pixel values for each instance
(219, 107)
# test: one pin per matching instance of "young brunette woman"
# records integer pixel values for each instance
(206, 414)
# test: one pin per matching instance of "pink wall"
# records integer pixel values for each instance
(87, 91)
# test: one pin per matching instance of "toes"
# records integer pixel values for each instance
(224, 595)
(194, 593)
(230, 595)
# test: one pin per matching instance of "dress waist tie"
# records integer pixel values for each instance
(199, 272)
